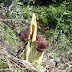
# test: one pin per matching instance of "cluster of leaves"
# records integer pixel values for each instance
(46, 15)
(62, 30)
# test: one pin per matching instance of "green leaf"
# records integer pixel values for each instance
(54, 0)
(20, 3)
(17, 70)
(65, 13)
(67, 26)
(2, 64)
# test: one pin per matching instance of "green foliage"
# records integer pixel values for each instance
(17, 70)
(9, 34)
(27, 14)
(34, 71)
(2, 64)
(46, 15)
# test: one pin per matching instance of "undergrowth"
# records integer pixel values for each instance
(8, 34)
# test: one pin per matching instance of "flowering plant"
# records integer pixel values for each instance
(35, 44)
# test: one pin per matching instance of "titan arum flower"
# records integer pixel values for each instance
(36, 44)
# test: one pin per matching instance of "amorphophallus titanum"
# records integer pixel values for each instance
(36, 44)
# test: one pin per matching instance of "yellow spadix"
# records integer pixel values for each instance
(33, 29)
(31, 54)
